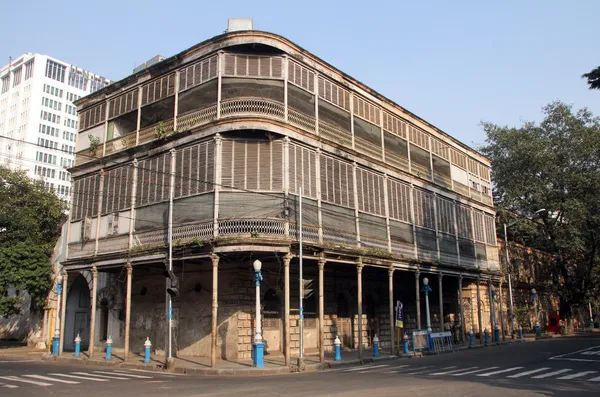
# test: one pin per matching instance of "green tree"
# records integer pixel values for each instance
(30, 222)
(593, 78)
(551, 172)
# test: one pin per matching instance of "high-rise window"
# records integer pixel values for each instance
(28, 70)
(17, 76)
(5, 83)
(55, 71)
(78, 79)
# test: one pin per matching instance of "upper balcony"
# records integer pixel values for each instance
(224, 85)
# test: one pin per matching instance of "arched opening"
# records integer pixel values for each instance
(77, 317)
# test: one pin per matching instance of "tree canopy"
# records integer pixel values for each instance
(30, 222)
(593, 78)
(550, 173)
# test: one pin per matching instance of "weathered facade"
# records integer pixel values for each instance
(234, 129)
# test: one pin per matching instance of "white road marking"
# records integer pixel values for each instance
(596, 379)
(397, 367)
(575, 352)
(420, 370)
(474, 371)
(533, 371)
(363, 368)
(80, 377)
(8, 386)
(150, 372)
(577, 375)
(453, 371)
(123, 374)
(33, 382)
(549, 374)
(70, 382)
(500, 371)
(100, 376)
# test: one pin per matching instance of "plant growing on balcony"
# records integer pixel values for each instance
(161, 130)
(94, 144)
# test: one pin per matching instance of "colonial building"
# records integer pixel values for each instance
(237, 131)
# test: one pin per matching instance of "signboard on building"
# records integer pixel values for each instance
(399, 315)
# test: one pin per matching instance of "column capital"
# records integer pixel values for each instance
(440, 275)
(129, 268)
(391, 271)
(94, 271)
(65, 275)
(322, 263)
(215, 260)
(287, 259)
(359, 265)
(417, 274)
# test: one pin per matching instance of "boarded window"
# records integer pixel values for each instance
(91, 117)
(117, 189)
(154, 180)
(370, 192)
(198, 73)
(445, 209)
(301, 76)
(424, 208)
(490, 229)
(252, 164)
(418, 137)
(399, 200)
(366, 110)
(337, 183)
(303, 171)
(394, 125)
(334, 93)
(123, 104)
(463, 220)
(194, 169)
(158, 89)
(253, 66)
(478, 226)
(420, 163)
(85, 197)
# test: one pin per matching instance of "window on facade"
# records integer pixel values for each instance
(28, 70)
(17, 76)
(78, 79)
(5, 83)
(55, 71)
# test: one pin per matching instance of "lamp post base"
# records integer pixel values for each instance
(258, 358)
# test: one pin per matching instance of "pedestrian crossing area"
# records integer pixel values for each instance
(71, 378)
(513, 372)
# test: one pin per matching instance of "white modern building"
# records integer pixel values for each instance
(38, 121)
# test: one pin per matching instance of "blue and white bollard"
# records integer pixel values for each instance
(538, 329)
(471, 338)
(375, 346)
(147, 346)
(337, 343)
(486, 337)
(109, 343)
(77, 345)
(496, 334)
(521, 333)
(405, 342)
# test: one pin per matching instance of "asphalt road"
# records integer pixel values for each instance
(558, 367)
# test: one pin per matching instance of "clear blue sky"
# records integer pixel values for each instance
(453, 63)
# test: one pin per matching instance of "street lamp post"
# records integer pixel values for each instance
(495, 321)
(510, 295)
(537, 324)
(56, 337)
(427, 290)
(591, 315)
(259, 346)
